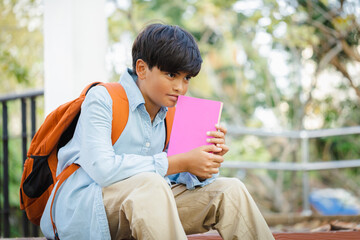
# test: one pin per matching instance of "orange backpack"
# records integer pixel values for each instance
(39, 175)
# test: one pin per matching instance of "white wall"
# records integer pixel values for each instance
(75, 39)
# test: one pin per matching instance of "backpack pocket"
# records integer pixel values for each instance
(40, 178)
(36, 187)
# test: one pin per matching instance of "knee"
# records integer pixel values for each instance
(236, 183)
(152, 190)
(232, 187)
(153, 183)
(153, 179)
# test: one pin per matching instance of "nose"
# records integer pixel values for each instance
(178, 86)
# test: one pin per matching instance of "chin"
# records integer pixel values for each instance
(172, 104)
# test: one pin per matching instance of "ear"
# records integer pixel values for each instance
(141, 68)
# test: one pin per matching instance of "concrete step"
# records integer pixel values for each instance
(333, 235)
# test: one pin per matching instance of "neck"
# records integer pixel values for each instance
(151, 109)
(150, 106)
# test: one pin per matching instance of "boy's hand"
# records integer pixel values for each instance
(204, 161)
(218, 138)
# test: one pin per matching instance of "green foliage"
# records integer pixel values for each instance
(21, 45)
(12, 68)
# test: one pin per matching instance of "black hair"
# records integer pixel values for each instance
(170, 48)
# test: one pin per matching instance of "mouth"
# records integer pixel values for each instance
(173, 98)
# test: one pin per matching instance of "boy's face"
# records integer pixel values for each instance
(161, 89)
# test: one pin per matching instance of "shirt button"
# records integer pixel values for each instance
(147, 144)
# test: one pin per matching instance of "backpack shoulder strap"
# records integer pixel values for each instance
(120, 111)
(169, 119)
(120, 108)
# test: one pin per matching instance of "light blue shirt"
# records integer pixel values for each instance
(79, 212)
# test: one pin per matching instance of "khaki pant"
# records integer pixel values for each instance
(145, 207)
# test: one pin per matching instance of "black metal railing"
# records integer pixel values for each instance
(5, 209)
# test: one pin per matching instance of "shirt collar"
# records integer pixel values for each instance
(128, 81)
(160, 116)
(135, 97)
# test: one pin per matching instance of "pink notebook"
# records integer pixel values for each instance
(193, 118)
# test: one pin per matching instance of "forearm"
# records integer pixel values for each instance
(177, 164)
(105, 169)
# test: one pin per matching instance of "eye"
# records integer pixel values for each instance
(187, 78)
(171, 75)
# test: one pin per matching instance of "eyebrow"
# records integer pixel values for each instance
(178, 73)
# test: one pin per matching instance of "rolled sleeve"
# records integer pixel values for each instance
(190, 180)
(161, 163)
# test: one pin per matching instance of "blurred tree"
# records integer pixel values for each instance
(21, 45)
(338, 31)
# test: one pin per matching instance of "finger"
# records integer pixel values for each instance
(216, 165)
(217, 158)
(224, 147)
(215, 134)
(221, 128)
(216, 140)
(212, 171)
(211, 148)
(205, 176)
(215, 170)
(208, 175)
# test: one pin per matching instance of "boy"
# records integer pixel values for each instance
(123, 191)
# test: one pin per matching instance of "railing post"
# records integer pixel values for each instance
(1, 192)
(33, 117)
(6, 208)
(305, 155)
(35, 228)
(24, 147)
